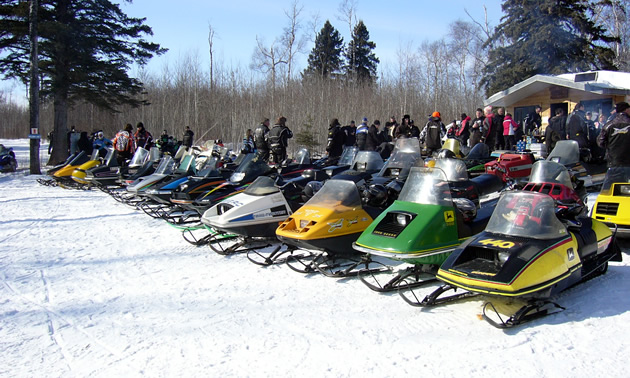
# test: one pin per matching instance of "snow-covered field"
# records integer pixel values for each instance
(91, 287)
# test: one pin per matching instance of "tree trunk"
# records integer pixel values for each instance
(34, 91)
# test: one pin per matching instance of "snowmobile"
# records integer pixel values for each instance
(130, 196)
(99, 157)
(437, 209)
(234, 186)
(63, 174)
(536, 244)
(612, 206)
(341, 210)
(567, 153)
(8, 163)
(108, 176)
(50, 172)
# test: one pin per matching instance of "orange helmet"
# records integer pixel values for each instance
(436, 115)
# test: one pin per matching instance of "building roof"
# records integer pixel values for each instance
(599, 82)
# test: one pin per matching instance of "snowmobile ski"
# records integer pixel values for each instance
(531, 311)
(407, 278)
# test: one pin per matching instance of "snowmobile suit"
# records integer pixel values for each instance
(260, 142)
(362, 134)
(335, 141)
(615, 138)
(431, 135)
(278, 138)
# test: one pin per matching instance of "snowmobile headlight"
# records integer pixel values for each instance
(503, 256)
(329, 172)
(237, 176)
(624, 190)
(403, 219)
(395, 172)
(183, 187)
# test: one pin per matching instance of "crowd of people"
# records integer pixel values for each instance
(125, 141)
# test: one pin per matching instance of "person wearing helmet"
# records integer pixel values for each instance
(432, 133)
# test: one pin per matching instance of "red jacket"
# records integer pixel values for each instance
(507, 121)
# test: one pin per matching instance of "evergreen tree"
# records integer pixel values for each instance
(361, 61)
(545, 37)
(85, 51)
(325, 58)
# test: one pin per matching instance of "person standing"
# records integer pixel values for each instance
(432, 133)
(509, 131)
(123, 144)
(556, 130)
(576, 126)
(615, 137)
(374, 137)
(350, 132)
(362, 134)
(463, 132)
(101, 142)
(187, 139)
(142, 137)
(476, 127)
(532, 121)
(498, 126)
(278, 138)
(260, 140)
(488, 133)
(403, 130)
(73, 139)
(336, 139)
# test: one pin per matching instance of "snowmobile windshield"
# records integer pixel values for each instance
(95, 154)
(185, 164)
(338, 195)
(526, 214)
(3, 150)
(367, 161)
(250, 167)
(166, 166)
(399, 164)
(347, 156)
(262, 186)
(302, 157)
(427, 186)
(239, 159)
(139, 157)
(616, 175)
(154, 154)
(180, 152)
(544, 171)
(453, 145)
(110, 156)
(565, 152)
(454, 169)
(209, 167)
(480, 151)
(77, 158)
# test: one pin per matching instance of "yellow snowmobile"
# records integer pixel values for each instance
(613, 202)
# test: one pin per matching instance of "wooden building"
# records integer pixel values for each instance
(598, 90)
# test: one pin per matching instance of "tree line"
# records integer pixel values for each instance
(344, 81)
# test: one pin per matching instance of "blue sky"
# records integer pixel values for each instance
(182, 26)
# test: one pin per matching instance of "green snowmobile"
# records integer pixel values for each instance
(438, 208)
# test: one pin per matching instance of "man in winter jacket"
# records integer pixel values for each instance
(374, 137)
(463, 132)
(476, 127)
(260, 140)
(432, 133)
(556, 130)
(187, 140)
(142, 137)
(278, 139)
(615, 137)
(488, 133)
(123, 144)
(336, 139)
(362, 134)
(576, 126)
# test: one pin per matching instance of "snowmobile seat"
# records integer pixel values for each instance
(586, 238)
(487, 183)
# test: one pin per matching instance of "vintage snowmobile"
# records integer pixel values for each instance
(66, 178)
(166, 167)
(437, 209)
(341, 210)
(8, 163)
(108, 176)
(99, 157)
(62, 173)
(612, 206)
(567, 153)
(536, 244)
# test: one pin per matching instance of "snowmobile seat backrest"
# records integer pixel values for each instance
(586, 238)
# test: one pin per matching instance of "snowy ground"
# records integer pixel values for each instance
(91, 287)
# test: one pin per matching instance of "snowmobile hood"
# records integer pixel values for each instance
(510, 266)
(408, 231)
(79, 173)
(237, 213)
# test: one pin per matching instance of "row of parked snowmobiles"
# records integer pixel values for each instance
(519, 230)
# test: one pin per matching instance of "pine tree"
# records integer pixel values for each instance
(545, 37)
(325, 59)
(85, 51)
(361, 61)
